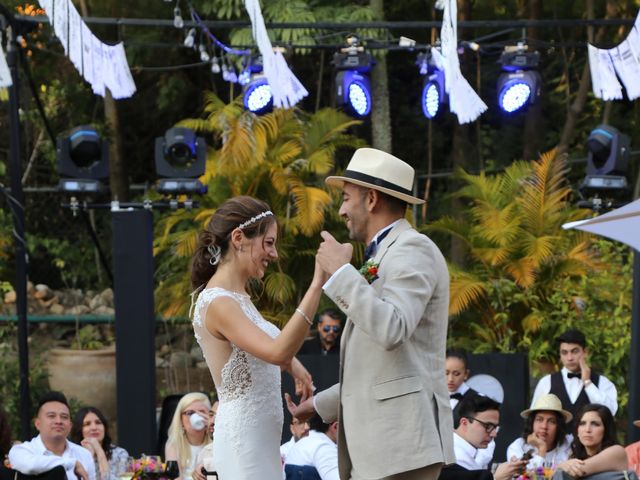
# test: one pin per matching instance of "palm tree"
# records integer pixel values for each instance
(279, 157)
(516, 250)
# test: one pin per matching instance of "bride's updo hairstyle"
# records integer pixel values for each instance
(217, 234)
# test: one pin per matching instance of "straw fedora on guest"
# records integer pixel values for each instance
(548, 402)
(380, 171)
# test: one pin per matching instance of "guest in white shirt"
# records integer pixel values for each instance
(576, 385)
(545, 435)
(299, 429)
(479, 425)
(317, 450)
(51, 448)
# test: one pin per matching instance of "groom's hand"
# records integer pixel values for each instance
(333, 254)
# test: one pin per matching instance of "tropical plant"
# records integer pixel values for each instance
(279, 157)
(516, 251)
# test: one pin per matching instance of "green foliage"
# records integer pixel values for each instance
(90, 337)
(10, 384)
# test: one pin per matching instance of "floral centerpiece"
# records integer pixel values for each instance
(540, 473)
(147, 467)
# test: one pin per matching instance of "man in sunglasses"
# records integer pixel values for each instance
(328, 340)
(479, 425)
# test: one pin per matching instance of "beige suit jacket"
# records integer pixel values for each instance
(392, 402)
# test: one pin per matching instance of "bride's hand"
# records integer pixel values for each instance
(320, 277)
(302, 378)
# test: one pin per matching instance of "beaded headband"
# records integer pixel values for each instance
(255, 219)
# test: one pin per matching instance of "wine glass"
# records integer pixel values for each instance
(125, 468)
(171, 469)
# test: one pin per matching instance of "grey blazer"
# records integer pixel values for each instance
(392, 402)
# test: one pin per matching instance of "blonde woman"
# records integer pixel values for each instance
(188, 432)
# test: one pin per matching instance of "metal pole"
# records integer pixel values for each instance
(15, 168)
(633, 432)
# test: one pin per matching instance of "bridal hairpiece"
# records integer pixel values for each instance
(215, 252)
(255, 219)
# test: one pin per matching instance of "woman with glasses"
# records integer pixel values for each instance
(188, 432)
(595, 447)
(544, 440)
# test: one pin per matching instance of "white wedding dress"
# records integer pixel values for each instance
(248, 429)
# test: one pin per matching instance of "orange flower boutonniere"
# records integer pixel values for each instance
(369, 270)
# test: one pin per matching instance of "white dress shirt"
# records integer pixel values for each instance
(551, 459)
(605, 393)
(286, 447)
(316, 450)
(484, 456)
(466, 454)
(33, 458)
(462, 389)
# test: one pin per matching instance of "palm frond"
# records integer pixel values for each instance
(279, 287)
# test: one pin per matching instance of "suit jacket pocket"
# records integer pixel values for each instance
(396, 387)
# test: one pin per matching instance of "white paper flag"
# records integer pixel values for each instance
(61, 22)
(98, 66)
(627, 68)
(5, 73)
(87, 53)
(75, 37)
(285, 87)
(47, 6)
(605, 82)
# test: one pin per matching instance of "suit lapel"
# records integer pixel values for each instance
(389, 240)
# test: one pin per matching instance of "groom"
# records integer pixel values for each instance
(392, 402)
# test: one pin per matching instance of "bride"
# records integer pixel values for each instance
(244, 352)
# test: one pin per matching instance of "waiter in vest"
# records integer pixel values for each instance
(576, 385)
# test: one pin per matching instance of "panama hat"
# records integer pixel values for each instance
(547, 402)
(637, 423)
(381, 171)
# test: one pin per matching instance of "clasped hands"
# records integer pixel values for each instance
(332, 254)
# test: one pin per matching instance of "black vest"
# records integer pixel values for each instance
(558, 389)
(456, 410)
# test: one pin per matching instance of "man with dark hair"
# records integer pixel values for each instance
(479, 425)
(315, 455)
(576, 385)
(299, 429)
(51, 448)
(328, 340)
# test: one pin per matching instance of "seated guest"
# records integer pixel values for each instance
(188, 432)
(478, 426)
(595, 448)
(457, 372)
(328, 340)
(576, 384)
(298, 429)
(51, 448)
(633, 453)
(545, 435)
(204, 460)
(91, 430)
(315, 455)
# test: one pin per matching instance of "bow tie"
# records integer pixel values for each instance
(574, 375)
(456, 396)
(370, 251)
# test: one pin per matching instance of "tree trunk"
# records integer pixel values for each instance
(534, 122)
(381, 137)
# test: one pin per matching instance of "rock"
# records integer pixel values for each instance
(179, 360)
(161, 362)
(56, 309)
(202, 365)
(78, 310)
(96, 302)
(196, 354)
(107, 297)
(46, 303)
(43, 292)
(165, 349)
(10, 297)
(104, 310)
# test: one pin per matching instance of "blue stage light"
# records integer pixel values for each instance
(433, 94)
(257, 96)
(519, 84)
(513, 95)
(354, 92)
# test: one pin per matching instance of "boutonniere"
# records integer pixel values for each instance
(369, 270)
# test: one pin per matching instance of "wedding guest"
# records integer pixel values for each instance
(188, 432)
(576, 384)
(545, 434)
(51, 448)
(298, 429)
(316, 453)
(633, 453)
(91, 430)
(328, 340)
(595, 448)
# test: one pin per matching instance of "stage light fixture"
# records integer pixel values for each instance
(434, 95)
(257, 97)
(353, 88)
(83, 160)
(607, 162)
(519, 83)
(180, 159)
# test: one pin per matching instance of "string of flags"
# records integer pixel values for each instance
(103, 66)
(622, 61)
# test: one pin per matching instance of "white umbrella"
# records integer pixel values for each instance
(622, 224)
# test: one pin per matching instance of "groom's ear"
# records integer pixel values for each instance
(372, 200)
